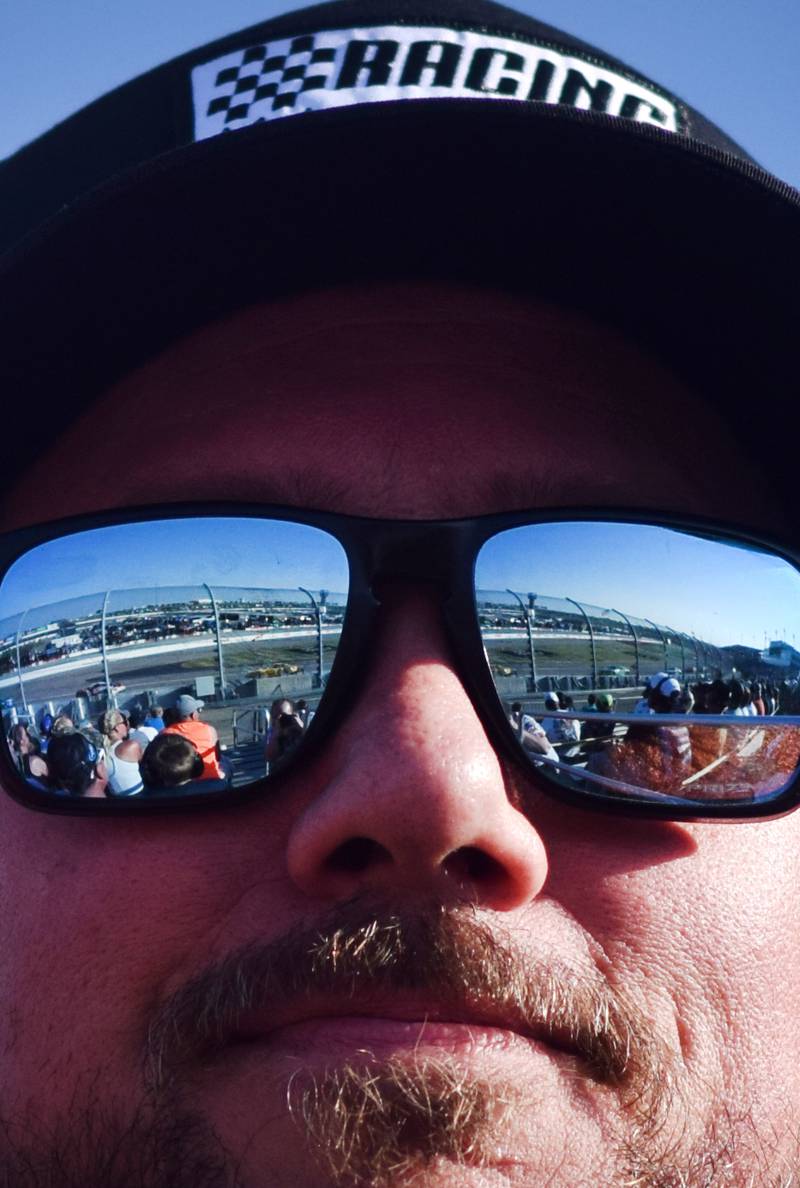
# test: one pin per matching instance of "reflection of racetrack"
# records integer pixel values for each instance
(178, 662)
(144, 667)
(570, 654)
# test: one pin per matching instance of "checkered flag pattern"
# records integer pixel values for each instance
(279, 77)
(340, 67)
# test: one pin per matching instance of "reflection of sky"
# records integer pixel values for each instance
(223, 552)
(721, 593)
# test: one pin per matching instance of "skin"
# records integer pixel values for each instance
(128, 749)
(21, 740)
(23, 744)
(695, 923)
(272, 748)
(97, 787)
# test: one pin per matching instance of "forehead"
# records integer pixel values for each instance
(418, 401)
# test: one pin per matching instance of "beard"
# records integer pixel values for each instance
(392, 1121)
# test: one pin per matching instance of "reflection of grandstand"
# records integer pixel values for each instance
(781, 656)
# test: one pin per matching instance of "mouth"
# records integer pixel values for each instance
(393, 1027)
(437, 983)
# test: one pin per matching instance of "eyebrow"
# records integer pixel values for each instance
(308, 489)
(509, 491)
(498, 491)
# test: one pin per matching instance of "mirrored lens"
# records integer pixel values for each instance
(170, 657)
(643, 662)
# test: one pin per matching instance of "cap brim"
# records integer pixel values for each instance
(691, 250)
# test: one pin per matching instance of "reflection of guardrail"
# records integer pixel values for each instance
(249, 725)
(742, 722)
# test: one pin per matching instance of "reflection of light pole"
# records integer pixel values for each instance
(19, 661)
(699, 643)
(705, 655)
(109, 700)
(696, 656)
(719, 659)
(635, 642)
(660, 634)
(528, 613)
(218, 633)
(683, 651)
(591, 639)
(319, 611)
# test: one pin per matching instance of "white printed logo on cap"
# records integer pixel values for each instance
(343, 67)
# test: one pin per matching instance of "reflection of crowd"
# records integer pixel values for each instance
(123, 754)
(160, 750)
(691, 760)
(287, 722)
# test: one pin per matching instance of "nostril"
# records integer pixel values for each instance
(357, 854)
(469, 864)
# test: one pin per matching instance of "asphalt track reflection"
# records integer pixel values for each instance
(152, 665)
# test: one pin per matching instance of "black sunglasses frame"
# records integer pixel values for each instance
(441, 555)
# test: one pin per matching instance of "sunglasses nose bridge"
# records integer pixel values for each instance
(416, 554)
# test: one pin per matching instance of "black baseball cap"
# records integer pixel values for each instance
(356, 141)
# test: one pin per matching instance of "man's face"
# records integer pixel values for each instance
(680, 939)
(22, 741)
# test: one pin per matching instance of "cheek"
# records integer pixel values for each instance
(99, 916)
(699, 929)
(703, 929)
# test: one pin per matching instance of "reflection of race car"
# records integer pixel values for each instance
(618, 670)
(274, 670)
(98, 689)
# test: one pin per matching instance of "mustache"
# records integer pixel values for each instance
(448, 954)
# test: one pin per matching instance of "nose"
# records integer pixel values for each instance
(414, 798)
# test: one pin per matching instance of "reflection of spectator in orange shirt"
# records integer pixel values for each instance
(201, 735)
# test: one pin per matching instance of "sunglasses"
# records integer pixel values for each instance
(638, 664)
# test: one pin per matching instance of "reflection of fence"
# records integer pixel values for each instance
(93, 633)
(607, 648)
(633, 646)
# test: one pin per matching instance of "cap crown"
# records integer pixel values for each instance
(341, 54)
(356, 142)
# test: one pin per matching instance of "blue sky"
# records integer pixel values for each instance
(223, 552)
(718, 592)
(734, 61)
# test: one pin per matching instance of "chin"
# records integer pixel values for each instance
(415, 1118)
